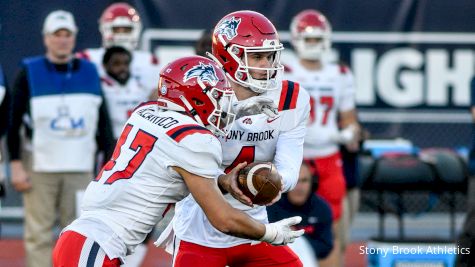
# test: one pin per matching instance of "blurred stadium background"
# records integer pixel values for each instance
(412, 61)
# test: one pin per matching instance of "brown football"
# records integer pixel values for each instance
(260, 181)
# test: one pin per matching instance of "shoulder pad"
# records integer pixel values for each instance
(287, 69)
(344, 69)
(107, 81)
(154, 60)
(83, 55)
(143, 104)
(181, 131)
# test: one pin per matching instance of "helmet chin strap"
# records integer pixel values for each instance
(192, 110)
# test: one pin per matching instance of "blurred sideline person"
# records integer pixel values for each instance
(270, 126)
(466, 238)
(61, 96)
(4, 105)
(315, 212)
(4, 125)
(122, 91)
(351, 202)
(120, 25)
(167, 150)
(333, 118)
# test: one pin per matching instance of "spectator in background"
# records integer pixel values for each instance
(467, 236)
(122, 91)
(4, 124)
(62, 99)
(315, 212)
(203, 44)
(120, 25)
(4, 104)
(333, 119)
(351, 202)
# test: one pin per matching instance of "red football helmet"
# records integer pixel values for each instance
(310, 24)
(197, 86)
(116, 16)
(243, 32)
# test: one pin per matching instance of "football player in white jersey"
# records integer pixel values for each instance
(333, 119)
(122, 91)
(167, 149)
(120, 25)
(247, 46)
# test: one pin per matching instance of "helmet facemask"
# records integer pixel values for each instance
(220, 120)
(311, 24)
(312, 50)
(243, 75)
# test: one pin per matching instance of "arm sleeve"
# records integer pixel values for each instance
(19, 106)
(289, 149)
(347, 101)
(199, 154)
(104, 135)
(322, 238)
(4, 110)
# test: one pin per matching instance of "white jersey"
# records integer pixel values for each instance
(331, 91)
(137, 186)
(253, 138)
(144, 66)
(122, 99)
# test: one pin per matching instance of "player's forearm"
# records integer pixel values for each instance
(288, 158)
(239, 224)
(220, 213)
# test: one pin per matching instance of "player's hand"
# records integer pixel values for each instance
(20, 180)
(281, 233)
(256, 105)
(229, 183)
(346, 136)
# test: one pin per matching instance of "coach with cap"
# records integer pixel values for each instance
(66, 122)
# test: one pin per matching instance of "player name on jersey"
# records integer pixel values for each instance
(149, 114)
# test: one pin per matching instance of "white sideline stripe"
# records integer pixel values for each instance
(250, 184)
(414, 116)
(337, 37)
